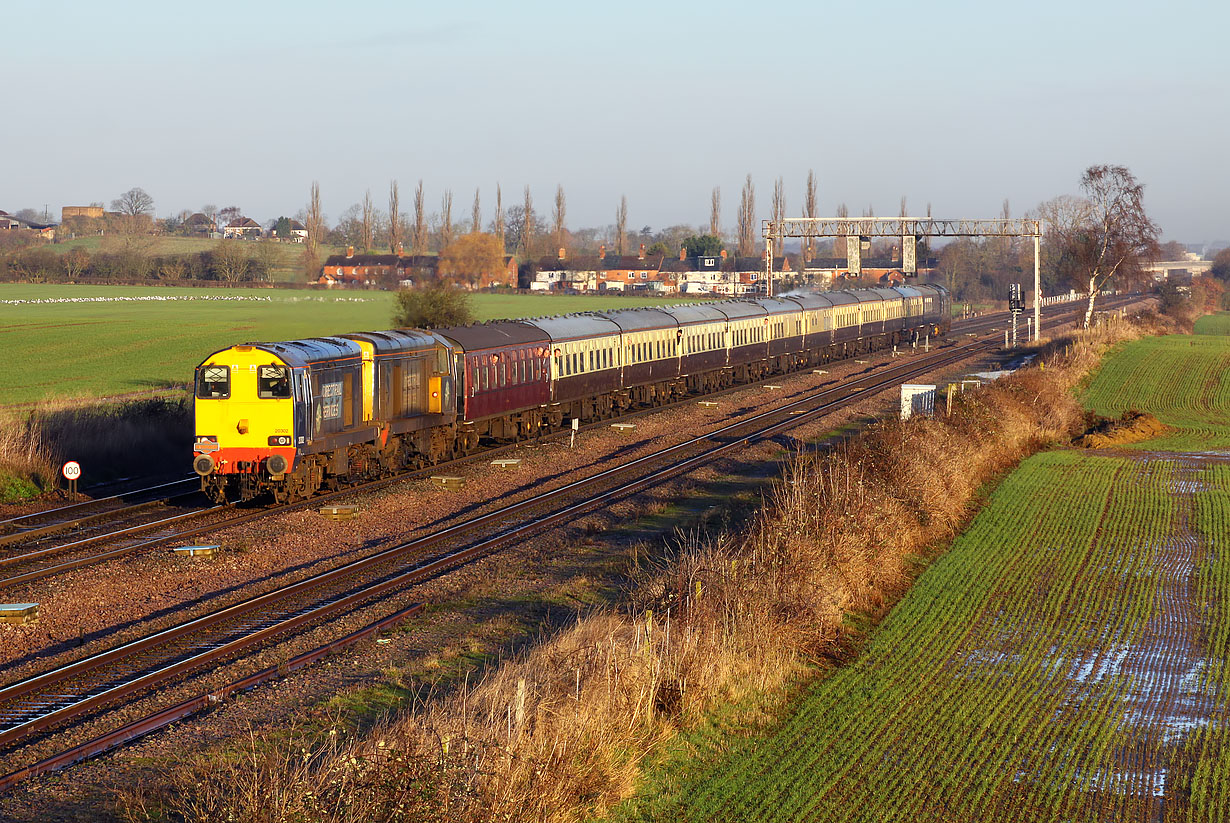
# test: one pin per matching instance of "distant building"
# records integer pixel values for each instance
(1179, 271)
(244, 228)
(390, 271)
(92, 212)
(8, 222)
(199, 225)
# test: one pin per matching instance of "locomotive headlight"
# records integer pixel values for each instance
(276, 464)
(203, 465)
(280, 440)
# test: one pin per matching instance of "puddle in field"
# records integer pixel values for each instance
(1165, 696)
(1158, 678)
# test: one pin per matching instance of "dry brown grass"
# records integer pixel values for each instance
(27, 461)
(559, 734)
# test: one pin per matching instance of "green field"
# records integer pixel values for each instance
(1037, 672)
(1214, 323)
(91, 341)
(1182, 379)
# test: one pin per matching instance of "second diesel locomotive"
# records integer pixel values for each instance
(292, 417)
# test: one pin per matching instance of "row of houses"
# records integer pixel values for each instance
(720, 274)
(241, 228)
(390, 271)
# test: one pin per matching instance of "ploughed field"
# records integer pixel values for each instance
(1065, 660)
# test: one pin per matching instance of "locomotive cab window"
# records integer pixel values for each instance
(213, 382)
(273, 382)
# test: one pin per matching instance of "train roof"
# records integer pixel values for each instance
(395, 340)
(299, 353)
(776, 305)
(738, 309)
(691, 313)
(641, 319)
(494, 335)
(809, 300)
(571, 326)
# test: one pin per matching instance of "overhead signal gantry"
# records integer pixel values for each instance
(859, 230)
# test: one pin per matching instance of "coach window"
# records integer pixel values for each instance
(213, 382)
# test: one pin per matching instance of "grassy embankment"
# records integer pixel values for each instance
(83, 344)
(722, 620)
(1019, 679)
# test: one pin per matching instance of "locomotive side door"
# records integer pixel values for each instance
(302, 388)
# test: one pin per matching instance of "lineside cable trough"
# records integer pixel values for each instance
(18, 613)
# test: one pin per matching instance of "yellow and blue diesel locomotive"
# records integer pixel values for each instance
(293, 417)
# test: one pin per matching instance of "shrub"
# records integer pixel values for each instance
(432, 307)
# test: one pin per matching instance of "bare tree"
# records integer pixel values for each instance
(527, 225)
(621, 225)
(229, 215)
(395, 227)
(315, 223)
(476, 213)
(446, 219)
(133, 203)
(839, 243)
(499, 216)
(809, 210)
(1117, 238)
(369, 221)
(715, 212)
(418, 242)
(779, 200)
(747, 216)
(558, 216)
(230, 261)
(779, 212)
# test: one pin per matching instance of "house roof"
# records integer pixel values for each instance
(243, 223)
(409, 261)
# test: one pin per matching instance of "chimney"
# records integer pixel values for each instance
(561, 253)
(349, 252)
(602, 252)
(401, 250)
(641, 256)
(683, 253)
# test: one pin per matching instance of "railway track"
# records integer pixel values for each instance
(88, 686)
(30, 550)
(84, 687)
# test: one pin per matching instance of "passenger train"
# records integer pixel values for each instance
(291, 418)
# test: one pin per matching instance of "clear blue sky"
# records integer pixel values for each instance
(959, 104)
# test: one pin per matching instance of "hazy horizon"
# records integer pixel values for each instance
(957, 105)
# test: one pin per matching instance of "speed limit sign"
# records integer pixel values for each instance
(71, 470)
